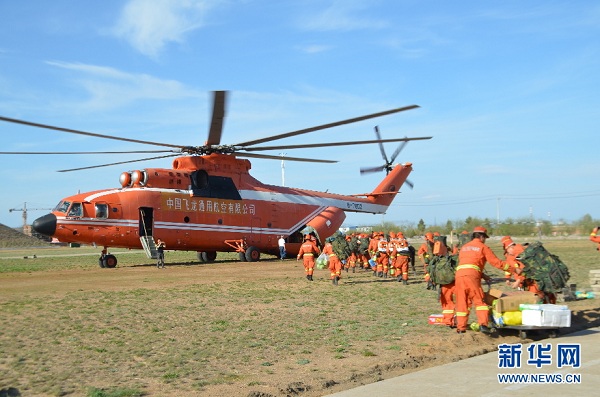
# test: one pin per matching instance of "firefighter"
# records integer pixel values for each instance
(383, 258)
(308, 251)
(335, 266)
(373, 251)
(469, 272)
(424, 253)
(595, 238)
(401, 254)
(513, 250)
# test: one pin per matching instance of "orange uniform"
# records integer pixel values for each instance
(446, 299)
(308, 251)
(512, 252)
(401, 255)
(595, 238)
(383, 258)
(335, 265)
(471, 263)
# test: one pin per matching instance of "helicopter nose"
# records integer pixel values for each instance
(45, 225)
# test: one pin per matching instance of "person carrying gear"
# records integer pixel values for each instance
(512, 252)
(373, 250)
(383, 259)
(510, 258)
(308, 252)
(335, 265)
(469, 272)
(595, 238)
(424, 253)
(401, 254)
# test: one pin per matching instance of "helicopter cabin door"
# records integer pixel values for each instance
(146, 221)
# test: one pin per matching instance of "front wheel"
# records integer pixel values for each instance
(252, 254)
(110, 261)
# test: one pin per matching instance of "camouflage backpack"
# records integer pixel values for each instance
(341, 247)
(550, 273)
(442, 269)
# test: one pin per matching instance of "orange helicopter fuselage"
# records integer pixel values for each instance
(205, 201)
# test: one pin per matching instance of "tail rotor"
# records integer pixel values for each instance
(388, 163)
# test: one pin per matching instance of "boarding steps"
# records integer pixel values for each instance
(149, 246)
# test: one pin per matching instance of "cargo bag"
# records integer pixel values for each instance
(550, 273)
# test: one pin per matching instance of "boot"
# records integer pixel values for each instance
(399, 278)
(353, 270)
(385, 275)
(311, 279)
(405, 282)
(308, 277)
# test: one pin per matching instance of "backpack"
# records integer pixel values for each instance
(341, 247)
(442, 269)
(549, 272)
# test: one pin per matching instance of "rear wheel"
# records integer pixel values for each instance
(252, 254)
(209, 256)
(110, 261)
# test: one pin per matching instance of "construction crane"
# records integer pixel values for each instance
(26, 227)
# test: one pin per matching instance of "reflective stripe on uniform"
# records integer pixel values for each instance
(459, 267)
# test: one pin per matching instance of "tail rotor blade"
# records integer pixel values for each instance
(381, 149)
(398, 150)
(372, 169)
(409, 183)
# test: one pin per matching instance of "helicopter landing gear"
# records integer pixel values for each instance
(207, 256)
(252, 254)
(107, 260)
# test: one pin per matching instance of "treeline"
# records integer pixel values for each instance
(509, 226)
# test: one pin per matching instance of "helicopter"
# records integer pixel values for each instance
(208, 202)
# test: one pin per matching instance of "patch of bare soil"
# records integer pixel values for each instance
(418, 351)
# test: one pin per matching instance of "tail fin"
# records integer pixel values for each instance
(386, 191)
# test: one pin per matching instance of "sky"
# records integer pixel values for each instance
(509, 91)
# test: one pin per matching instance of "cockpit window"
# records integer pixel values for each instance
(75, 210)
(101, 210)
(63, 206)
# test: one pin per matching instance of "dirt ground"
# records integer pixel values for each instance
(345, 374)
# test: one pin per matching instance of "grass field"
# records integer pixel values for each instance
(228, 328)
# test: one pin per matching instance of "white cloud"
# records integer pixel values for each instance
(110, 88)
(150, 25)
(315, 48)
(344, 15)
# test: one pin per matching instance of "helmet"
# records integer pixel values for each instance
(507, 242)
(482, 230)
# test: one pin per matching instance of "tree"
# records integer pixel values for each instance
(421, 226)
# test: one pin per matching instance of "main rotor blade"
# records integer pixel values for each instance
(378, 135)
(120, 162)
(218, 114)
(313, 145)
(266, 156)
(325, 126)
(50, 127)
(118, 152)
